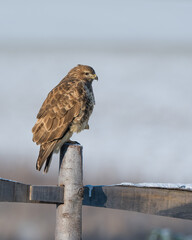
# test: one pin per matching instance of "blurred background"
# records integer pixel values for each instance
(140, 130)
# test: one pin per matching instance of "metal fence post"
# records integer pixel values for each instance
(69, 214)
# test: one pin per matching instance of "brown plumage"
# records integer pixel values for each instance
(66, 110)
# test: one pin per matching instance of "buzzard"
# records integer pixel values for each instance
(66, 110)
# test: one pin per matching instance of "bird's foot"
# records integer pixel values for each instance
(72, 142)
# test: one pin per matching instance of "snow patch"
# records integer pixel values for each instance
(158, 185)
(90, 189)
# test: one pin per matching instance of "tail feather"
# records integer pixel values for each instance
(45, 153)
(48, 162)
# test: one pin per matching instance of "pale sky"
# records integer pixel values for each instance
(54, 21)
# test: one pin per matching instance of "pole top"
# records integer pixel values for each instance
(70, 145)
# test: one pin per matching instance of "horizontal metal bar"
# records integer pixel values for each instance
(46, 194)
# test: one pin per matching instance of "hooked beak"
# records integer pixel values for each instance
(95, 77)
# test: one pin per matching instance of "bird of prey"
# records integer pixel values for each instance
(66, 110)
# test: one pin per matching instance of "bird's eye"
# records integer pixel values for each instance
(86, 73)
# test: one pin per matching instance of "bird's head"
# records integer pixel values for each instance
(84, 73)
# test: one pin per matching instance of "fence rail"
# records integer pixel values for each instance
(11, 191)
(171, 200)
